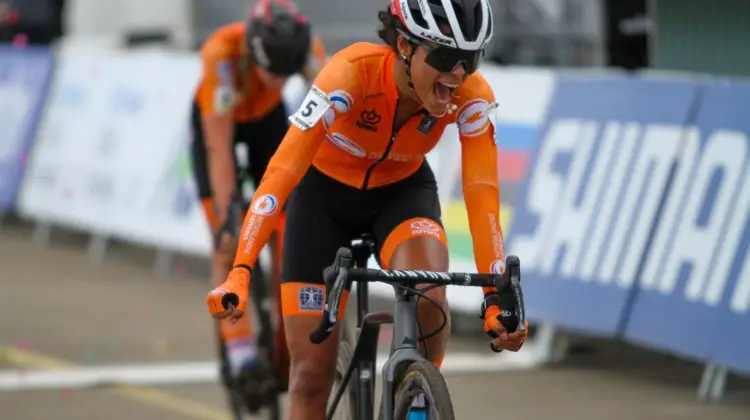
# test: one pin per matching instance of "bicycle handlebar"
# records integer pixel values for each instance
(341, 274)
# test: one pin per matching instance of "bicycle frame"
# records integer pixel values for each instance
(404, 348)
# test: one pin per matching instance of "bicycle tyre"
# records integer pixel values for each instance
(261, 299)
(236, 404)
(423, 377)
(347, 406)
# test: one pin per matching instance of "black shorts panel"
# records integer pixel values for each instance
(324, 214)
(311, 238)
(262, 138)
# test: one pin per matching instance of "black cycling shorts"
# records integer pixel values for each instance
(324, 215)
(262, 137)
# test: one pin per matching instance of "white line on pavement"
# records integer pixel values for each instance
(207, 372)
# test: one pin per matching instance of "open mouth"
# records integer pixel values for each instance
(444, 91)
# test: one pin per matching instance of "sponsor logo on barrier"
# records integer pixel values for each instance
(602, 219)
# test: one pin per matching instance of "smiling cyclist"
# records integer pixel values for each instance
(353, 162)
(238, 100)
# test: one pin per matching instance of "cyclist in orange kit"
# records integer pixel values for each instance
(353, 162)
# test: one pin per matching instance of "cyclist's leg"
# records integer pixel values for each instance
(410, 236)
(236, 336)
(313, 235)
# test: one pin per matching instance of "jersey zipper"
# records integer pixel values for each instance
(388, 148)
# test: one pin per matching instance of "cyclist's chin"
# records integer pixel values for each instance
(436, 108)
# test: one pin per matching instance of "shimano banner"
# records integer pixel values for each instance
(589, 202)
(695, 286)
(24, 74)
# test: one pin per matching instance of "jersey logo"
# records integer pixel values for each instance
(473, 119)
(427, 124)
(312, 110)
(224, 71)
(341, 100)
(497, 267)
(346, 145)
(224, 99)
(369, 120)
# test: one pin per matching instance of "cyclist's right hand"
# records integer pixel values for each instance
(230, 299)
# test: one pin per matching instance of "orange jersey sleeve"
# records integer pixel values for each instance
(293, 157)
(216, 93)
(479, 174)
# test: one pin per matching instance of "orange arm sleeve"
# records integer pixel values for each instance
(482, 198)
(480, 185)
(293, 158)
(286, 168)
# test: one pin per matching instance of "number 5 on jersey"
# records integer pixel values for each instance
(313, 107)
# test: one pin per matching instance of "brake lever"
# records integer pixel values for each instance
(511, 281)
(338, 272)
(515, 287)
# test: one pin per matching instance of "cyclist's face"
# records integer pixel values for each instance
(435, 88)
(270, 80)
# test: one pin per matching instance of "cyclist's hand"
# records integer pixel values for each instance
(230, 299)
(501, 338)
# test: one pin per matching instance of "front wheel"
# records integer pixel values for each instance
(347, 406)
(423, 380)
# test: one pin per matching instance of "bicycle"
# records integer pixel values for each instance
(406, 373)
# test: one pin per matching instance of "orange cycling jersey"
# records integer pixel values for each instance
(230, 84)
(344, 128)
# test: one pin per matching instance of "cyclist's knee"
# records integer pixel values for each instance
(313, 366)
(420, 253)
(309, 376)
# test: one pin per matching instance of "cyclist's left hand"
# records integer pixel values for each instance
(501, 338)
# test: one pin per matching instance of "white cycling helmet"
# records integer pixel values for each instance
(453, 31)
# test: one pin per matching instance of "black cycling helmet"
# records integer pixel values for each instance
(278, 36)
(453, 31)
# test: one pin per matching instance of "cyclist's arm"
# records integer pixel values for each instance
(480, 187)
(217, 100)
(292, 159)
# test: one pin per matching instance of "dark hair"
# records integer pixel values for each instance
(387, 31)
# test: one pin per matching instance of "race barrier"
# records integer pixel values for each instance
(627, 198)
(634, 219)
(24, 76)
